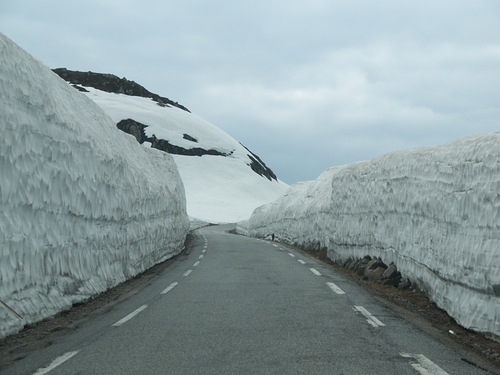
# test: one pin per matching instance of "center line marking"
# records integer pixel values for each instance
(56, 362)
(130, 316)
(187, 272)
(369, 317)
(301, 261)
(293, 256)
(201, 256)
(196, 263)
(169, 288)
(204, 251)
(335, 288)
(315, 271)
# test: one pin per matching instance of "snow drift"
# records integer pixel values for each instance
(434, 212)
(83, 207)
(224, 181)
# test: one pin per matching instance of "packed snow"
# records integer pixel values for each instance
(219, 189)
(83, 206)
(434, 212)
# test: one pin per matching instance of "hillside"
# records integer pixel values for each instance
(224, 181)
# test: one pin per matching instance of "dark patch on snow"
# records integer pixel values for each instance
(80, 88)
(189, 138)
(114, 84)
(164, 145)
(259, 167)
(137, 130)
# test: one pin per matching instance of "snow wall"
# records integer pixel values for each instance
(83, 206)
(434, 212)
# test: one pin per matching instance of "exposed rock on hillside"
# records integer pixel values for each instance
(137, 130)
(259, 167)
(112, 83)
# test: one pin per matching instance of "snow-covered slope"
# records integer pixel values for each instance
(216, 170)
(434, 212)
(82, 205)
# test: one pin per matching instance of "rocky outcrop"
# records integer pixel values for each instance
(189, 138)
(374, 269)
(137, 130)
(112, 83)
(259, 167)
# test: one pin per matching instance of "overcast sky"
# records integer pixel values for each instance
(305, 84)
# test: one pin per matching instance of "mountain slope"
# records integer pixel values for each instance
(224, 181)
(83, 207)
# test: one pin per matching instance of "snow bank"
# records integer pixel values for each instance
(219, 189)
(83, 206)
(434, 212)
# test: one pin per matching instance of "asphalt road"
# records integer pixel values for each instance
(236, 305)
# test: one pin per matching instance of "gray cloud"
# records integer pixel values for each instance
(305, 84)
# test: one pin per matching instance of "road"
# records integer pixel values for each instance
(237, 305)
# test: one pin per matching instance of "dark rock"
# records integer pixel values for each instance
(189, 138)
(391, 271)
(361, 270)
(352, 264)
(496, 289)
(375, 263)
(374, 274)
(404, 284)
(362, 265)
(259, 167)
(393, 281)
(80, 88)
(112, 83)
(164, 145)
(135, 128)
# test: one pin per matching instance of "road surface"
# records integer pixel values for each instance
(237, 305)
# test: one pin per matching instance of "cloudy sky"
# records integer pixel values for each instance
(305, 84)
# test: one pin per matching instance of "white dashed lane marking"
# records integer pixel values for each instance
(369, 317)
(56, 362)
(301, 261)
(315, 271)
(187, 272)
(335, 288)
(196, 264)
(169, 288)
(293, 256)
(130, 316)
